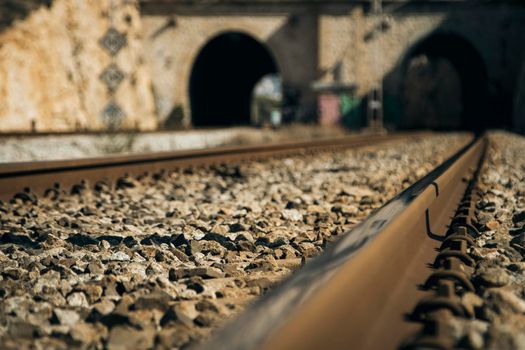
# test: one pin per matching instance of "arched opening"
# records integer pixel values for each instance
(445, 86)
(223, 77)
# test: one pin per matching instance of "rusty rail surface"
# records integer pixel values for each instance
(368, 290)
(37, 177)
(452, 276)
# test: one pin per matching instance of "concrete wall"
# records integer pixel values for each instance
(50, 64)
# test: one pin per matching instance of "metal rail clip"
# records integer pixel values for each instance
(450, 280)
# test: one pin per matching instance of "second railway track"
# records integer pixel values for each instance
(62, 174)
(160, 260)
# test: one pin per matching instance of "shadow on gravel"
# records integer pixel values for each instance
(20, 240)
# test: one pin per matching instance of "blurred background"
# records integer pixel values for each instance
(84, 67)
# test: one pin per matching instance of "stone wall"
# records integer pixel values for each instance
(346, 39)
(174, 41)
(346, 42)
(51, 61)
(333, 42)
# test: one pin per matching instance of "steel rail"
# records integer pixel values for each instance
(37, 177)
(360, 292)
(451, 278)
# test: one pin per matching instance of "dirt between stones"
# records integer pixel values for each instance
(161, 261)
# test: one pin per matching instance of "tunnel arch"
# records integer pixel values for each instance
(223, 77)
(448, 70)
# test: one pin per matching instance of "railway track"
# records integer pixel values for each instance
(39, 177)
(134, 260)
(391, 282)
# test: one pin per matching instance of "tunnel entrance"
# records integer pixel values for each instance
(445, 86)
(223, 78)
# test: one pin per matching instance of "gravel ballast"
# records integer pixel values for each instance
(162, 261)
(499, 273)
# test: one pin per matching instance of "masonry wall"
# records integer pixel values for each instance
(345, 40)
(174, 41)
(50, 63)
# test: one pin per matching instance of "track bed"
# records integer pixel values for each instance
(163, 260)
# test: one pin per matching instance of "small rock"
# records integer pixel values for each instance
(206, 319)
(505, 336)
(174, 337)
(126, 337)
(186, 313)
(345, 209)
(493, 277)
(104, 307)
(118, 256)
(92, 292)
(315, 209)
(66, 317)
(77, 299)
(475, 340)
(95, 268)
(262, 282)
(245, 236)
(492, 224)
(308, 249)
(158, 300)
(204, 272)
(22, 329)
(86, 333)
(292, 215)
(13, 273)
(484, 253)
(506, 300)
(471, 301)
(232, 270)
(180, 254)
(105, 245)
